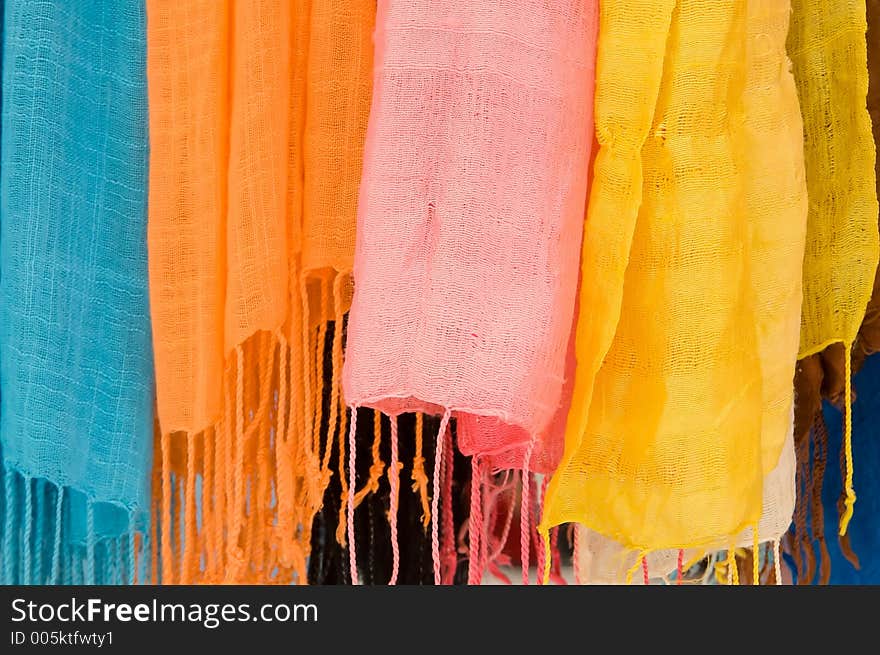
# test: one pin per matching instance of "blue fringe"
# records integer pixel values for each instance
(48, 537)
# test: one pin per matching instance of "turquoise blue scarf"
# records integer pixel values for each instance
(76, 396)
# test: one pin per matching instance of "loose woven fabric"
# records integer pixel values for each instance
(470, 214)
(600, 560)
(869, 333)
(690, 293)
(76, 408)
(257, 132)
(828, 52)
(469, 223)
(824, 375)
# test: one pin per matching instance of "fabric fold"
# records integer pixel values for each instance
(469, 223)
(470, 213)
(258, 127)
(600, 560)
(824, 374)
(688, 326)
(76, 363)
(829, 54)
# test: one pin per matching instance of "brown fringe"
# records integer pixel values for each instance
(798, 542)
(823, 372)
(845, 546)
(744, 565)
(820, 455)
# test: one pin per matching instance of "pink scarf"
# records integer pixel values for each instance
(470, 219)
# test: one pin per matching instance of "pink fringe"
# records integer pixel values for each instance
(448, 531)
(394, 482)
(476, 526)
(352, 555)
(435, 495)
(525, 514)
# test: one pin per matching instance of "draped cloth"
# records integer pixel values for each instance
(258, 111)
(470, 218)
(828, 51)
(600, 560)
(824, 374)
(690, 276)
(869, 333)
(76, 363)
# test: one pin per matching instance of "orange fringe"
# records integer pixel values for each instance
(419, 477)
(378, 466)
(234, 504)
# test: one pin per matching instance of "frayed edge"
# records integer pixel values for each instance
(48, 536)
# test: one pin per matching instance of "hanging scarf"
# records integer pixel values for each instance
(824, 374)
(469, 220)
(258, 111)
(76, 409)
(869, 333)
(828, 52)
(600, 560)
(690, 293)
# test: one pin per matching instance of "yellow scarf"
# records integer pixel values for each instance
(690, 279)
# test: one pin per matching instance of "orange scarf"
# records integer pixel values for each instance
(258, 111)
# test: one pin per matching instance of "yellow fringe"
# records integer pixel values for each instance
(732, 568)
(548, 556)
(847, 442)
(631, 571)
(756, 572)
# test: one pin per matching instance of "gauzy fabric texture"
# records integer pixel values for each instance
(601, 560)
(824, 375)
(828, 51)
(869, 333)
(258, 111)
(76, 363)
(690, 276)
(470, 217)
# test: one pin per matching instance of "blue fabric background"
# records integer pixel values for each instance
(864, 529)
(76, 374)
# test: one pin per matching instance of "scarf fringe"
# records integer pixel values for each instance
(234, 503)
(226, 496)
(811, 455)
(418, 475)
(48, 537)
(437, 505)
